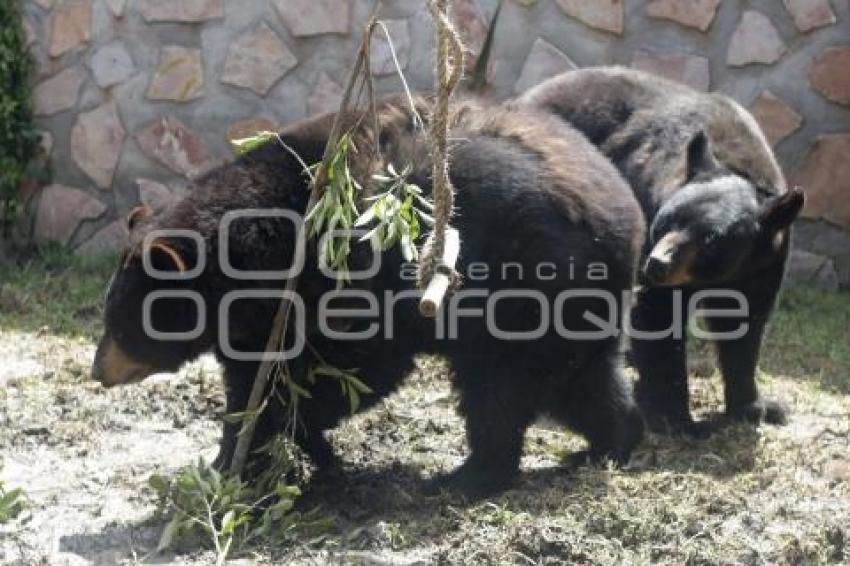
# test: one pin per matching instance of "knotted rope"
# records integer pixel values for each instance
(448, 70)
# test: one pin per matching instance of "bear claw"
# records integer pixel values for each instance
(471, 481)
(762, 411)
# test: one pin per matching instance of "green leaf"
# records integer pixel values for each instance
(389, 238)
(366, 217)
(247, 145)
(287, 491)
(228, 523)
(315, 210)
(298, 390)
(426, 218)
(328, 371)
(371, 235)
(353, 399)
(408, 251)
(169, 533)
(11, 503)
(215, 480)
(245, 415)
(159, 484)
(357, 384)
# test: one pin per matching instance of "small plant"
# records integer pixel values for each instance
(12, 503)
(210, 507)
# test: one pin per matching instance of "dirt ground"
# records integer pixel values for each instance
(83, 455)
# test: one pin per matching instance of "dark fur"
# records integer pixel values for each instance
(518, 200)
(697, 163)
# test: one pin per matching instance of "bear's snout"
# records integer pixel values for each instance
(656, 270)
(112, 366)
(670, 261)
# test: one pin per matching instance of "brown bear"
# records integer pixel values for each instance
(547, 225)
(719, 215)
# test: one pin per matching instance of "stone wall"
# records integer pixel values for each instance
(137, 96)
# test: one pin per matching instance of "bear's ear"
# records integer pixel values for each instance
(165, 257)
(700, 157)
(777, 213)
(137, 215)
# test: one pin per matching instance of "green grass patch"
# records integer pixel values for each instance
(55, 292)
(809, 337)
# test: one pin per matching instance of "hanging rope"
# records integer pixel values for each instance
(439, 255)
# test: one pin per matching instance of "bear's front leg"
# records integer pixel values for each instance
(738, 342)
(659, 352)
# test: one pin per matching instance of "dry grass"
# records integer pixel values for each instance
(752, 496)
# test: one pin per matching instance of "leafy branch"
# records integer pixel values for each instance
(398, 212)
(330, 164)
(336, 209)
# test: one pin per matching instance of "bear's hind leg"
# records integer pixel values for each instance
(497, 413)
(598, 404)
(310, 438)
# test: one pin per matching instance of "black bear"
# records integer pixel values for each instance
(719, 216)
(551, 234)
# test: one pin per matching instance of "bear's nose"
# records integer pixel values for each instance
(656, 269)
